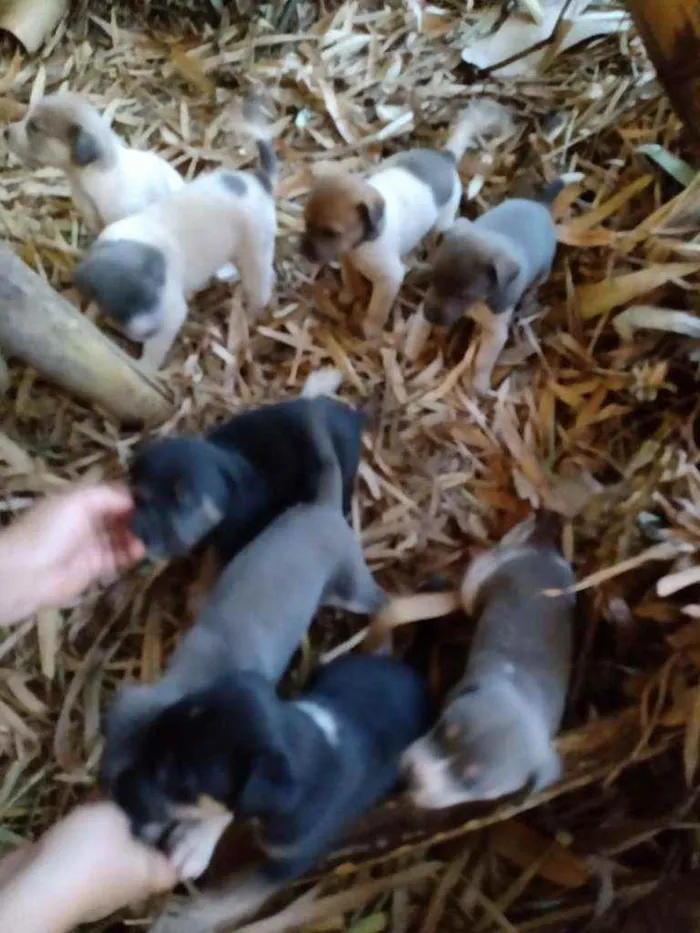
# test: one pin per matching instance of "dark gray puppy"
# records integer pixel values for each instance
(485, 267)
(259, 610)
(495, 734)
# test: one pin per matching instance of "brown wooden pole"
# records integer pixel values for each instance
(41, 328)
(670, 30)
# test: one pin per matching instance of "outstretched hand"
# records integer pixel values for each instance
(63, 545)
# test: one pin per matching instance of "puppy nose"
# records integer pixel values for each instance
(308, 249)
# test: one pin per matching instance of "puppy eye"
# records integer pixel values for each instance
(32, 126)
(327, 233)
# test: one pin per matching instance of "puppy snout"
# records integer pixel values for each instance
(432, 309)
(308, 249)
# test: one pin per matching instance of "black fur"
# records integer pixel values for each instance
(267, 759)
(436, 168)
(251, 468)
(124, 277)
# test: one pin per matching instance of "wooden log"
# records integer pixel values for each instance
(41, 328)
(670, 31)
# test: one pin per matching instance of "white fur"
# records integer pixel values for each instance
(199, 229)
(410, 213)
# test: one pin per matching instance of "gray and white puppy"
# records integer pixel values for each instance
(141, 268)
(256, 617)
(495, 734)
(108, 179)
(487, 266)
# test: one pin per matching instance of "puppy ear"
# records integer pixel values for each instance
(84, 148)
(133, 710)
(371, 212)
(503, 272)
(272, 786)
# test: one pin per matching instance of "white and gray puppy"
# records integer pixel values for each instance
(495, 734)
(370, 224)
(108, 179)
(141, 269)
(487, 266)
(258, 613)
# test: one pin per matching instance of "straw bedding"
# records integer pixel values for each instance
(590, 418)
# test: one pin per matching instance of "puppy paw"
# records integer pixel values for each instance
(481, 384)
(194, 845)
(180, 919)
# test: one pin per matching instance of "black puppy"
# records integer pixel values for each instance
(304, 770)
(224, 488)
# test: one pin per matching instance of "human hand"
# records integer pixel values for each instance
(93, 859)
(68, 541)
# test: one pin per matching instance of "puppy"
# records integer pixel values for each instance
(495, 734)
(303, 770)
(226, 487)
(370, 224)
(257, 614)
(141, 269)
(487, 266)
(108, 180)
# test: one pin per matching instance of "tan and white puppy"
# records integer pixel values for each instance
(370, 224)
(495, 734)
(108, 180)
(141, 269)
(486, 267)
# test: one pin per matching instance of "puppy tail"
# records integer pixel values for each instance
(247, 117)
(322, 382)
(551, 192)
(481, 118)
(330, 483)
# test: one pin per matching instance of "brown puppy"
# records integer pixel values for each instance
(370, 224)
(486, 267)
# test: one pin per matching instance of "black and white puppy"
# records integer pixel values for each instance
(257, 613)
(304, 770)
(225, 487)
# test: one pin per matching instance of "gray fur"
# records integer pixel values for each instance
(267, 173)
(496, 732)
(435, 168)
(85, 148)
(263, 603)
(124, 277)
(496, 258)
(234, 181)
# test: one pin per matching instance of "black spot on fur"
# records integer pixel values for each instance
(434, 167)
(235, 182)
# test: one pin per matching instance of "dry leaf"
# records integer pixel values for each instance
(650, 317)
(522, 846)
(601, 297)
(518, 34)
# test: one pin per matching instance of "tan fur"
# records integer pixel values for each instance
(334, 224)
